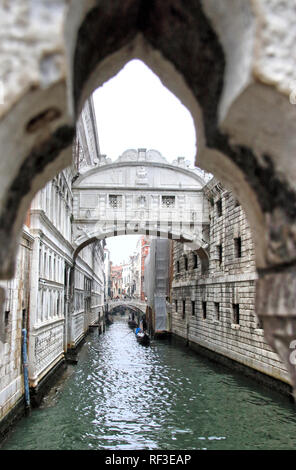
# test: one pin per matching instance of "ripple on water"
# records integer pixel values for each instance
(123, 396)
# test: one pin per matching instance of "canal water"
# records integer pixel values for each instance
(124, 396)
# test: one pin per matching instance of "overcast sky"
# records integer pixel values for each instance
(134, 110)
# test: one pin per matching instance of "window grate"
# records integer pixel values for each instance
(168, 202)
(115, 201)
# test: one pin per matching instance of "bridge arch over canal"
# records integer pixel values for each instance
(137, 306)
(140, 193)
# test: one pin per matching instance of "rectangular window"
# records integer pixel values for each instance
(178, 266)
(6, 318)
(259, 323)
(184, 309)
(217, 310)
(219, 207)
(238, 247)
(176, 305)
(44, 266)
(24, 318)
(168, 202)
(235, 308)
(195, 261)
(186, 263)
(219, 253)
(204, 310)
(192, 307)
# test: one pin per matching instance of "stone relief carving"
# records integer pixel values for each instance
(142, 175)
(79, 231)
(141, 201)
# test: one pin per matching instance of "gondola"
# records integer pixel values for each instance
(132, 324)
(143, 338)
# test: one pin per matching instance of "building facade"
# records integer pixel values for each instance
(107, 274)
(55, 295)
(157, 286)
(116, 282)
(144, 252)
(17, 307)
(213, 306)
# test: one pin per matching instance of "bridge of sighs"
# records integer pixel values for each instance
(140, 193)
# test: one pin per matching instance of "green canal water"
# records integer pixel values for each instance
(124, 396)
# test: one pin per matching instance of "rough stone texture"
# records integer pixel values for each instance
(231, 281)
(16, 305)
(33, 71)
(276, 37)
(280, 287)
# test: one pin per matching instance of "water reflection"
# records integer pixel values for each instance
(122, 395)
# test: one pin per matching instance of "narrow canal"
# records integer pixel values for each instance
(123, 396)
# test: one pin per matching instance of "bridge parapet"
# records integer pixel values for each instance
(133, 304)
(139, 193)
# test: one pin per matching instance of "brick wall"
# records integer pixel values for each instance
(217, 310)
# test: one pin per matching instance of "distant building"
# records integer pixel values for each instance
(107, 273)
(157, 285)
(144, 251)
(135, 278)
(116, 282)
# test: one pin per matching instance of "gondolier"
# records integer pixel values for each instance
(142, 337)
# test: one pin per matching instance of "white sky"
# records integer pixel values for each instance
(122, 247)
(134, 110)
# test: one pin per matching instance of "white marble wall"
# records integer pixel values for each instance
(88, 291)
(51, 228)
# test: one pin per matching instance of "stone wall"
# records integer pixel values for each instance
(88, 291)
(216, 310)
(16, 315)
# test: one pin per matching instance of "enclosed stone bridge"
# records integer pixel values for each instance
(137, 305)
(140, 193)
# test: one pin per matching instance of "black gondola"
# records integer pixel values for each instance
(143, 338)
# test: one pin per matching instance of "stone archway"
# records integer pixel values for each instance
(140, 193)
(138, 306)
(221, 67)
